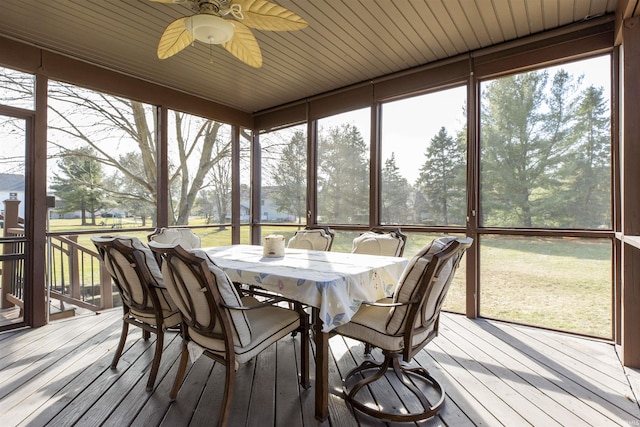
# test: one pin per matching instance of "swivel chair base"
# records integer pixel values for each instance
(405, 375)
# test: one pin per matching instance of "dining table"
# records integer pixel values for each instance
(334, 284)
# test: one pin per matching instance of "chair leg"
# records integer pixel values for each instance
(123, 340)
(146, 335)
(403, 374)
(156, 358)
(229, 385)
(182, 368)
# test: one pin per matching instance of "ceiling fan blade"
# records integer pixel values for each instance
(264, 15)
(244, 46)
(174, 39)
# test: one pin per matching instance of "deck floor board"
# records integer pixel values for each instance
(494, 374)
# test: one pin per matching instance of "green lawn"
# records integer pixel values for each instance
(557, 283)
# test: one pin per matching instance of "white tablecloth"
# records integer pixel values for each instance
(334, 282)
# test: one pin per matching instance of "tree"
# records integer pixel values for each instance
(199, 148)
(220, 182)
(290, 177)
(586, 197)
(525, 136)
(343, 178)
(122, 134)
(394, 193)
(79, 182)
(441, 183)
(129, 194)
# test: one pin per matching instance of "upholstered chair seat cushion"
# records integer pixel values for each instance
(369, 325)
(268, 324)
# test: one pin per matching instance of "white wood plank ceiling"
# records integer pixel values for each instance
(346, 42)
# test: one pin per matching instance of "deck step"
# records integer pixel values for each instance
(56, 314)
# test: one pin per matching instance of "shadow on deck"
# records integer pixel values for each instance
(493, 373)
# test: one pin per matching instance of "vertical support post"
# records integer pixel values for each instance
(312, 170)
(256, 190)
(630, 176)
(36, 211)
(375, 164)
(472, 300)
(235, 186)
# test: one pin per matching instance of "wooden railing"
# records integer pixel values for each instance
(12, 256)
(13, 270)
(76, 275)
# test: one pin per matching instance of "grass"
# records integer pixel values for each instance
(552, 282)
(557, 283)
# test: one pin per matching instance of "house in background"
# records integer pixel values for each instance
(12, 188)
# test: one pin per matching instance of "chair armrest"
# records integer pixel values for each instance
(392, 304)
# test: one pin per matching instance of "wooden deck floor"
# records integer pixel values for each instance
(494, 374)
(10, 316)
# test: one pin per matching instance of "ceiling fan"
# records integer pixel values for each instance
(227, 22)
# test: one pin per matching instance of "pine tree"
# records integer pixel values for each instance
(588, 174)
(290, 175)
(395, 193)
(525, 137)
(79, 182)
(441, 183)
(343, 176)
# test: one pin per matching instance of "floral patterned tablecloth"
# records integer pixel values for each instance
(334, 282)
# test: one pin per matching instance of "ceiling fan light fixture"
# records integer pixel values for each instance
(209, 28)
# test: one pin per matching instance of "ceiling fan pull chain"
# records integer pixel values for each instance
(236, 11)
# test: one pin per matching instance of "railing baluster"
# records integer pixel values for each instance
(75, 270)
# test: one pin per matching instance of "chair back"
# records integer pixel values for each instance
(377, 242)
(178, 236)
(134, 270)
(200, 289)
(317, 239)
(423, 287)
